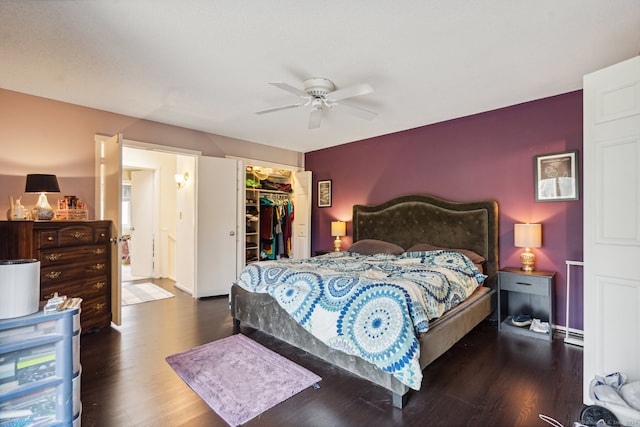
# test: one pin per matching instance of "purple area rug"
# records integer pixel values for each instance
(239, 378)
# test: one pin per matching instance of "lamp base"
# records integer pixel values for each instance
(337, 244)
(528, 260)
(42, 210)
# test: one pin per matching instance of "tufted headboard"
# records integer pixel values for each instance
(412, 219)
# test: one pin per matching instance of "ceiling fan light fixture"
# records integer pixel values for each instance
(319, 92)
(315, 118)
(318, 87)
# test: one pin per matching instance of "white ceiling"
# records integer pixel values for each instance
(206, 65)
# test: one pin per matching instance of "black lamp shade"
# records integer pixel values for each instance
(41, 183)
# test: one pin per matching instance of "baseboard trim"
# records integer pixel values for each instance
(571, 336)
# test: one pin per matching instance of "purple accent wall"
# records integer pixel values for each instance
(484, 156)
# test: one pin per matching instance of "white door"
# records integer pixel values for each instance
(217, 225)
(612, 222)
(141, 245)
(302, 218)
(108, 204)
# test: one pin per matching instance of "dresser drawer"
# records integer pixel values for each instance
(92, 253)
(76, 235)
(535, 285)
(64, 273)
(81, 288)
(47, 239)
(95, 312)
(102, 235)
(66, 236)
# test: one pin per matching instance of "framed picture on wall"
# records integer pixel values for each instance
(556, 176)
(324, 193)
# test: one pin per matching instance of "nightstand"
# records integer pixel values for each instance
(522, 292)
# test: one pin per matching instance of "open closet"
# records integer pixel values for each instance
(270, 213)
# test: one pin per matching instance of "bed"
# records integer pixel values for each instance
(404, 221)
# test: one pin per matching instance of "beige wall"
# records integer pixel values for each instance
(45, 136)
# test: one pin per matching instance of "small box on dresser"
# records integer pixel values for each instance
(522, 292)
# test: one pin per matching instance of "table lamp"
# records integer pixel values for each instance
(43, 184)
(338, 229)
(527, 236)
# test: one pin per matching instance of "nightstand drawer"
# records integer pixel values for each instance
(535, 285)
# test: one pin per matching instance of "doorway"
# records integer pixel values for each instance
(149, 221)
(207, 266)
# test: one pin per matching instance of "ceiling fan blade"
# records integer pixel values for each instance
(315, 118)
(349, 92)
(284, 107)
(288, 88)
(356, 110)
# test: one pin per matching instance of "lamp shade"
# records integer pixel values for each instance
(527, 235)
(338, 228)
(41, 183)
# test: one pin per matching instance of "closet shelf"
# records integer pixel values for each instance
(268, 191)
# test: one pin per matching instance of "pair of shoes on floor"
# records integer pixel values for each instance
(535, 325)
(539, 326)
(521, 320)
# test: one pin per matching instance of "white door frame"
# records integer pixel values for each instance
(173, 151)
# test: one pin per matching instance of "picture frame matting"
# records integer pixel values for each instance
(324, 193)
(556, 176)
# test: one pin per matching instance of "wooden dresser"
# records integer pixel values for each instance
(75, 260)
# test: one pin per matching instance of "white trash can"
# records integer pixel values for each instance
(19, 287)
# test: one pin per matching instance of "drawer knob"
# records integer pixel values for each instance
(99, 285)
(52, 257)
(77, 235)
(98, 251)
(51, 295)
(50, 238)
(99, 307)
(53, 274)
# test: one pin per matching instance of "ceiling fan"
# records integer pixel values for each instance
(319, 93)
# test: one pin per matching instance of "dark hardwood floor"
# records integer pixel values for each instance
(486, 379)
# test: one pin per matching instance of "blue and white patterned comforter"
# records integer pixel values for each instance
(371, 306)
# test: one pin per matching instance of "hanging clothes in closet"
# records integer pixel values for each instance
(276, 216)
(266, 229)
